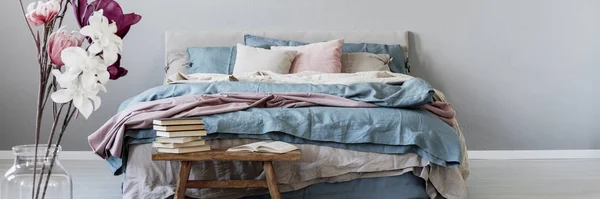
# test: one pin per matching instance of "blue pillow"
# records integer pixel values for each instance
(266, 43)
(220, 60)
(397, 65)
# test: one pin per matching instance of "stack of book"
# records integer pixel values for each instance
(179, 135)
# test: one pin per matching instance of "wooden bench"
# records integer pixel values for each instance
(267, 158)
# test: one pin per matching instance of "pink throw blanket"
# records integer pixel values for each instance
(442, 110)
(108, 139)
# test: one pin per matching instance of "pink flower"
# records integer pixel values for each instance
(60, 40)
(43, 13)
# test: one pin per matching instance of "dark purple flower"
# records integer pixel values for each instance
(116, 71)
(112, 11)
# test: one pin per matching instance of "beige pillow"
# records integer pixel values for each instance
(250, 59)
(360, 62)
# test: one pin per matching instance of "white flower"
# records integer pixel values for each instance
(82, 99)
(103, 37)
(84, 76)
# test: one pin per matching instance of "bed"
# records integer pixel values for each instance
(362, 163)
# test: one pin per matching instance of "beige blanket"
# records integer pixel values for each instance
(156, 179)
(296, 78)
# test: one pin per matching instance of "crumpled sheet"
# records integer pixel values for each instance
(464, 163)
(304, 77)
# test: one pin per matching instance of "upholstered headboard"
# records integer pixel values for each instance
(177, 42)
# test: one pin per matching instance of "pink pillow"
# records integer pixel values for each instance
(321, 57)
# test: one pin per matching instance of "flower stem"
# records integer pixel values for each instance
(38, 123)
(51, 87)
(25, 16)
(63, 13)
(68, 118)
(39, 110)
(54, 124)
(43, 65)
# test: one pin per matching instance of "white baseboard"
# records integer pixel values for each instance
(533, 154)
(474, 155)
(64, 155)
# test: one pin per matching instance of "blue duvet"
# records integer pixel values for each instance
(397, 127)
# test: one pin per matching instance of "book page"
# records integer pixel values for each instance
(247, 147)
(277, 147)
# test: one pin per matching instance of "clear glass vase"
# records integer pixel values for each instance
(17, 182)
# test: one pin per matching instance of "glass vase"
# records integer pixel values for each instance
(17, 182)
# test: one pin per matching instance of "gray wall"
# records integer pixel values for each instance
(519, 73)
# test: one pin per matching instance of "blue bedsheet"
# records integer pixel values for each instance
(387, 129)
(412, 93)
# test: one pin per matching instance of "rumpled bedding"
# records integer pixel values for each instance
(147, 179)
(447, 114)
(108, 139)
(399, 130)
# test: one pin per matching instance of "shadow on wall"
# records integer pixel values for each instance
(419, 62)
(419, 67)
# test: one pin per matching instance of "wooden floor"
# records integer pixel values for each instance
(490, 179)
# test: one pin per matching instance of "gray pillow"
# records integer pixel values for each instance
(361, 62)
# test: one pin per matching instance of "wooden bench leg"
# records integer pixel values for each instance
(271, 180)
(184, 175)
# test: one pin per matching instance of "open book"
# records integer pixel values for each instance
(267, 147)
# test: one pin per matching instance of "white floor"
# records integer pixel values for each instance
(493, 179)
(532, 179)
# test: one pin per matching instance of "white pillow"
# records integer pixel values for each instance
(250, 59)
(361, 62)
